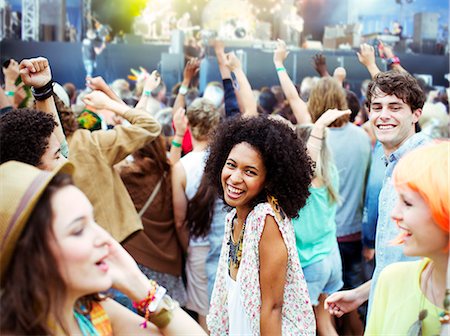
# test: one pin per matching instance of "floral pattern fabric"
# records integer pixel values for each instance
(297, 313)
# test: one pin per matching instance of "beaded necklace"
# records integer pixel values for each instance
(235, 254)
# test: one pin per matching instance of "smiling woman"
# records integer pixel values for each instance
(55, 260)
(260, 169)
(410, 296)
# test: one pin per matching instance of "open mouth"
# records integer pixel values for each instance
(234, 192)
(102, 265)
(403, 236)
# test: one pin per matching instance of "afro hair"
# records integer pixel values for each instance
(24, 135)
(288, 166)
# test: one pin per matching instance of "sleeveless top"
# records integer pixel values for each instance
(297, 313)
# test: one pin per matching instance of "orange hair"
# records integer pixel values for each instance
(425, 170)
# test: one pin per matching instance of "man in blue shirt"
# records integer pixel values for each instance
(395, 102)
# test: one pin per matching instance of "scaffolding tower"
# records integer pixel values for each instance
(87, 17)
(30, 20)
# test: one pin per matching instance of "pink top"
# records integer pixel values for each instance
(297, 313)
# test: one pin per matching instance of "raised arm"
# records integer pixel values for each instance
(180, 123)
(36, 73)
(298, 106)
(231, 104)
(392, 60)
(151, 82)
(180, 204)
(366, 56)
(316, 137)
(245, 89)
(99, 84)
(190, 70)
(10, 74)
(320, 65)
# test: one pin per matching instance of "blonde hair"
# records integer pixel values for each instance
(203, 117)
(324, 162)
(327, 94)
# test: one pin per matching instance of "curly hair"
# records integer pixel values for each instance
(398, 83)
(327, 94)
(288, 166)
(24, 135)
(203, 117)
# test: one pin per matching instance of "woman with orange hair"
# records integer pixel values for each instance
(409, 297)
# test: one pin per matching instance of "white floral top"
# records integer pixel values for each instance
(297, 313)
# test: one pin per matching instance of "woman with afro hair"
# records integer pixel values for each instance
(262, 171)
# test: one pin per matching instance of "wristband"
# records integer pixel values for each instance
(147, 93)
(44, 88)
(9, 93)
(281, 69)
(393, 60)
(176, 144)
(315, 137)
(40, 96)
(183, 90)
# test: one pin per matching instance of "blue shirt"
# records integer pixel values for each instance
(373, 187)
(387, 230)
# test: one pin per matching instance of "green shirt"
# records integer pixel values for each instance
(315, 227)
(398, 300)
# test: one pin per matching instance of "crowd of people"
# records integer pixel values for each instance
(288, 210)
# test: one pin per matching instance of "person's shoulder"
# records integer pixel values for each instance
(401, 270)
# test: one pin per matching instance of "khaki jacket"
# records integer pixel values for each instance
(94, 155)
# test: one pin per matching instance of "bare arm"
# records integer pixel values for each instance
(151, 82)
(190, 70)
(273, 258)
(245, 89)
(298, 106)
(342, 302)
(180, 204)
(10, 74)
(36, 72)
(180, 122)
(99, 84)
(366, 56)
(389, 54)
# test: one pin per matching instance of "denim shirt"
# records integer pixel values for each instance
(385, 253)
(373, 187)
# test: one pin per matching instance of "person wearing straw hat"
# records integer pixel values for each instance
(55, 260)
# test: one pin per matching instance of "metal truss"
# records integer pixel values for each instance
(87, 17)
(30, 20)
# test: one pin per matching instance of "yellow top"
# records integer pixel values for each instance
(398, 300)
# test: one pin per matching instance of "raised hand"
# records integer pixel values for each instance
(97, 99)
(12, 71)
(180, 121)
(320, 65)
(366, 54)
(35, 72)
(96, 83)
(191, 69)
(152, 81)
(280, 53)
(232, 62)
(327, 118)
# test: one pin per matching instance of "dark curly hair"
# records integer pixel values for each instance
(288, 166)
(398, 83)
(24, 135)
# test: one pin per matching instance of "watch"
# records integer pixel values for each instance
(183, 90)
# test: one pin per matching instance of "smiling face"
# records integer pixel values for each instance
(392, 120)
(243, 176)
(420, 235)
(80, 245)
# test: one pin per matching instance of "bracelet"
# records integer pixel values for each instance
(44, 88)
(9, 93)
(393, 60)
(281, 69)
(42, 96)
(143, 304)
(316, 137)
(147, 93)
(176, 144)
(183, 90)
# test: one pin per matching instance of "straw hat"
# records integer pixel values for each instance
(21, 187)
